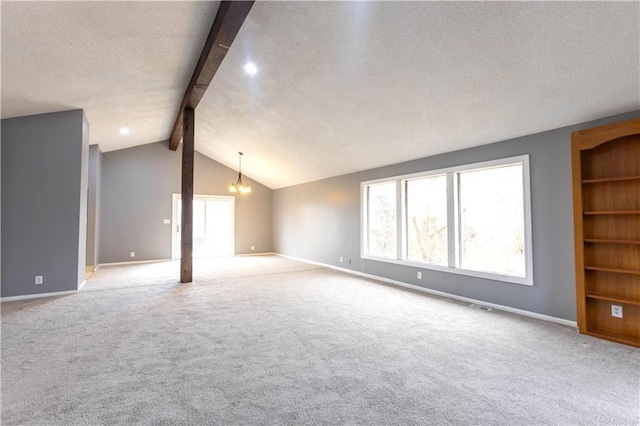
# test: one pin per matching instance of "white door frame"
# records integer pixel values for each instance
(175, 199)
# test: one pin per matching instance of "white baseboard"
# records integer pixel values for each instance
(37, 296)
(133, 262)
(522, 312)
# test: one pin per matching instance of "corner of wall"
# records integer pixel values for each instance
(43, 169)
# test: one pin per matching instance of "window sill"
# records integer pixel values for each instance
(528, 281)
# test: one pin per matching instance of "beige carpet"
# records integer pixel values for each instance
(266, 340)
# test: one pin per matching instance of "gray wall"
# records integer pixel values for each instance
(0, 204)
(43, 188)
(93, 212)
(84, 199)
(137, 188)
(320, 221)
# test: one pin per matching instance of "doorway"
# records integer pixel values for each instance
(213, 226)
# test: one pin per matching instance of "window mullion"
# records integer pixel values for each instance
(452, 226)
(366, 220)
(401, 219)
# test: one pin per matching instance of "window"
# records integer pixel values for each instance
(473, 220)
(492, 220)
(213, 226)
(427, 219)
(382, 220)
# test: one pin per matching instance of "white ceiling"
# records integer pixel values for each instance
(341, 86)
(127, 64)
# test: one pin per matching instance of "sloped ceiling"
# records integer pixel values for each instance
(127, 64)
(341, 86)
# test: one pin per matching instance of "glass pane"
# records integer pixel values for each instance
(198, 228)
(427, 220)
(219, 241)
(492, 220)
(382, 220)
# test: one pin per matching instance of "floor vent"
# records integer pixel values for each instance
(479, 307)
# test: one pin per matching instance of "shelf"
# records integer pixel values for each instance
(616, 270)
(592, 295)
(611, 179)
(609, 241)
(614, 337)
(606, 201)
(611, 212)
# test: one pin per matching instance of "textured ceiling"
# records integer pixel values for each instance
(350, 86)
(341, 86)
(127, 64)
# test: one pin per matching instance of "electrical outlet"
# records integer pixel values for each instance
(133, 254)
(340, 259)
(39, 279)
(616, 311)
(419, 275)
(253, 248)
(167, 221)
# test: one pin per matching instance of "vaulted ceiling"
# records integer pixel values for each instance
(127, 64)
(340, 87)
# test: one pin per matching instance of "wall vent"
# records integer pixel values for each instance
(479, 307)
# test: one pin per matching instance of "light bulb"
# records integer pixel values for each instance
(251, 68)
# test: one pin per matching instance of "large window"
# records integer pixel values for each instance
(472, 220)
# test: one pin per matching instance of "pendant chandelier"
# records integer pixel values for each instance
(240, 187)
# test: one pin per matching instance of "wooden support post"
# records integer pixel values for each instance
(186, 243)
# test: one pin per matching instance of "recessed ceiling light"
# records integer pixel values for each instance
(250, 68)
(124, 130)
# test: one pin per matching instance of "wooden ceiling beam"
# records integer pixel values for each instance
(226, 25)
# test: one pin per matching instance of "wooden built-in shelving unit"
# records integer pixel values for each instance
(606, 203)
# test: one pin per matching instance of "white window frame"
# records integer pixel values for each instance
(453, 220)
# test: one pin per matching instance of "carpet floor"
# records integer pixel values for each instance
(269, 341)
